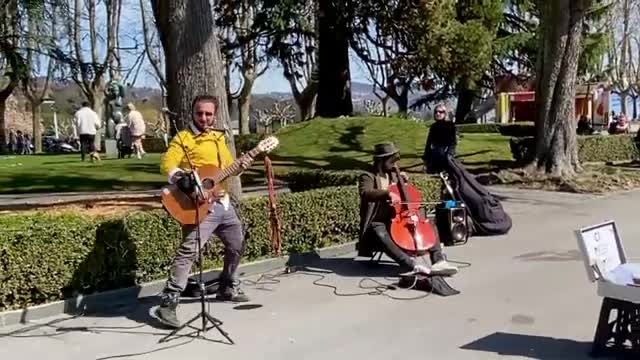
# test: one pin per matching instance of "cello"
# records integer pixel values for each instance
(410, 230)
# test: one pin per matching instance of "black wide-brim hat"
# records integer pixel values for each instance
(384, 150)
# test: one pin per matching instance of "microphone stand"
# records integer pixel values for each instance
(204, 315)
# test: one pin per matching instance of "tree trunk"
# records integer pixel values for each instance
(3, 126)
(36, 125)
(98, 105)
(623, 101)
(244, 109)
(244, 104)
(465, 103)
(307, 99)
(334, 92)
(402, 100)
(384, 102)
(559, 49)
(4, 95)
(305, 102)
(194, 63)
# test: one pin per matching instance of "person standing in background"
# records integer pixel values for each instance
(441, 141)
(87, 122)
(138, 127)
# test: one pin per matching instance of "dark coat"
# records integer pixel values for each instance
(441, 142)
(371, 198)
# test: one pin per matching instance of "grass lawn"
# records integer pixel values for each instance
(65, 173)
(341, 144)
(336, 144)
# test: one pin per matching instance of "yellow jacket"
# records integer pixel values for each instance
(203, 148)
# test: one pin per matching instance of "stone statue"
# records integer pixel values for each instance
(114, 93)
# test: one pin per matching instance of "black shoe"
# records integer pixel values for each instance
(167, 311)
(231, 293)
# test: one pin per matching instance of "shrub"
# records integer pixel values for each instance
(519, 130)
(244, 143)
(592, 148)
(47, 257)
(598, 148)
(302, 180)
(522, 148)
(478, 128)
(154, 145)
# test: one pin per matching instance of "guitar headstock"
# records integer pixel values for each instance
(268, 144)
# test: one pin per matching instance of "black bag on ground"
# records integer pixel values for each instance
(211, 284)
(484, 209)
(125, 142)
(432, 284)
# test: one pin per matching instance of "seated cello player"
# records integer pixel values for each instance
(377, 212)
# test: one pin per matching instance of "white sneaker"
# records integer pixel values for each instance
(422, 269)
(442, 267)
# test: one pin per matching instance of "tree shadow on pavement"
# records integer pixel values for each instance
(530, 346)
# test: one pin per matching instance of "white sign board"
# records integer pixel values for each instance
(602, 248)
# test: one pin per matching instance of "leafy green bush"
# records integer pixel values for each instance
(244, 143)
(50, 257)
(592, 148)
(302, 180)
(522, 148)
(478, 128)
(519, 130)
(154, 145)
(597, 148)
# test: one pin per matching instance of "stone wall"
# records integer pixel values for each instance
(18, 115)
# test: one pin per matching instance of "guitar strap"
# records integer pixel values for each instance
(274, 216)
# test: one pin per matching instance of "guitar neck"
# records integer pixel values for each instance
(224, 174)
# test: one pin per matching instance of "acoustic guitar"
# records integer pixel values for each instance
(180, 205)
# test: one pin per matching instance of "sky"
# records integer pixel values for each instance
(271, 81)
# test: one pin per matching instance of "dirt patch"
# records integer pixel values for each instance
(594, 179)
(95, 208)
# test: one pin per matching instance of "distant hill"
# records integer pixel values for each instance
(357, 88)
(68, 97)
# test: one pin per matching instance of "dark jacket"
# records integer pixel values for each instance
(441, 142)
(371, 199)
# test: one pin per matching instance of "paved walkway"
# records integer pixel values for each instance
(525, 296)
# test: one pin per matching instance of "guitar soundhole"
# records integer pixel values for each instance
(208, 184)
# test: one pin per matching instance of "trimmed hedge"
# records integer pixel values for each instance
(244, 143)
(592, 148)
(302, 180)
(45, 257)
(517, 130)
(51, 257)
(154, 145)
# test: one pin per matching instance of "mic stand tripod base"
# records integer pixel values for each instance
(206, 318)
(204, 315)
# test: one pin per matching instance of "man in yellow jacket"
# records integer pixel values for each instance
(205, 147)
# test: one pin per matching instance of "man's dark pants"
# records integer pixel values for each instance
(87, 144)
(220, 222)
(379, 232)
